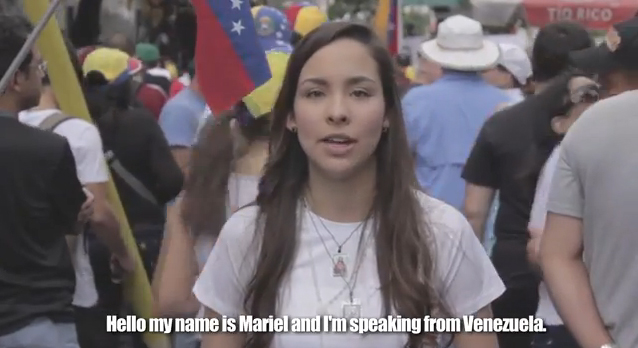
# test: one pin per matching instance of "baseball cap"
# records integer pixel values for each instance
(147, 52)
(515, 60)
(618, 51)
(115, 65)
(273, 29)
(262, 100)
(304, 17)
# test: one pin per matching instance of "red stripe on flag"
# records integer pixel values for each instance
(221, 74)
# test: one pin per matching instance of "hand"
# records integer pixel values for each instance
(86, 210)
(533, 246)
(122, 265)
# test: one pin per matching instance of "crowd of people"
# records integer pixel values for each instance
(484, 182)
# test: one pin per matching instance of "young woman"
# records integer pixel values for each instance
(339, 185)
(577, 93)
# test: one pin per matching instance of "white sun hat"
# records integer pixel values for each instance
(460, 45)
(515, 60)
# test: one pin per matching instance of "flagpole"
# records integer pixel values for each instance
(28, 45)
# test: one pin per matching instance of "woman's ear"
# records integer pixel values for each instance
(557, 125)
(291, 124)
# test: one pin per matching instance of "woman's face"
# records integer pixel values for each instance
(339, 108)
(583, 92)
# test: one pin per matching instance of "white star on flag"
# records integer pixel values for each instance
(236, 4)
(237, 27)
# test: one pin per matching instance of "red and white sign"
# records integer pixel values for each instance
(594, 14)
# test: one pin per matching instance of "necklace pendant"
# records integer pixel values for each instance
(339, 266)
(351, 309)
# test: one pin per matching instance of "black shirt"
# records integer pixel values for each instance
(40, 198)
(498, 160)
(139, 144)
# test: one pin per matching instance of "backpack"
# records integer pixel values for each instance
(50, 123)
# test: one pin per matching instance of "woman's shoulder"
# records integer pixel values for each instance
(239, 229)
(445, 223)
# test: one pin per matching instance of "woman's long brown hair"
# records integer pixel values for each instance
(212, 160)
(404, 259)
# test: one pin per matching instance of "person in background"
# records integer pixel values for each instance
(180, 119)
(444, 118)
(155, 81)
(303, 18)
(513, 72)
(273, 29)
(588, 250)
(183, 81)
(228, 159)
(86, 145)
(566, 99)
(427, 71)
(122, 42)
(338, 165)
(495, 163)
(144, 172)
(154, 73)
(40, 202)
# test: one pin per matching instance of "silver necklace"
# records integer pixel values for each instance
(352, 307)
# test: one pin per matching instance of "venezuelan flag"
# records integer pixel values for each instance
(229, 60)
(388, 24)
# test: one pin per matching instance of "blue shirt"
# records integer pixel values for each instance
(180, 117)
(442, 121)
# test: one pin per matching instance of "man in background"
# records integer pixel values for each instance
(444, 118)
(86, 145)
(155, 81)
(40, 199)
(496, 163)
(180, 120)
(588, 251)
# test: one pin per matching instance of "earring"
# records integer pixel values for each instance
(293, 129)
(385, 129)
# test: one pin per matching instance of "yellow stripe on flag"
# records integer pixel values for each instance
(71, 101)
(381, 19)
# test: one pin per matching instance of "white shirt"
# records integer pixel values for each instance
(546, 309)
(464, 276)
(86, 145)
(242, 190)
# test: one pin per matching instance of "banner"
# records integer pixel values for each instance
(593, 14)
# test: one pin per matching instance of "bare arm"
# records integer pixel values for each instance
(478, 201)
(176, 269)
(222, 340)
(103, 221)
(568, 282)
(477, 340)
(182, 156)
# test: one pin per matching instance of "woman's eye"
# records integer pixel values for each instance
(360, 94)
(313, 94)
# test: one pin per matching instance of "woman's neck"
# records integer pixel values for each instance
(344, 201)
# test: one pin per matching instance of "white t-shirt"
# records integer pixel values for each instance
(242, 190)
(464, 276)
(86, 145)
(546, 309)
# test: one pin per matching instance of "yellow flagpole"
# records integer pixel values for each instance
(381, 17)
(71, 100)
